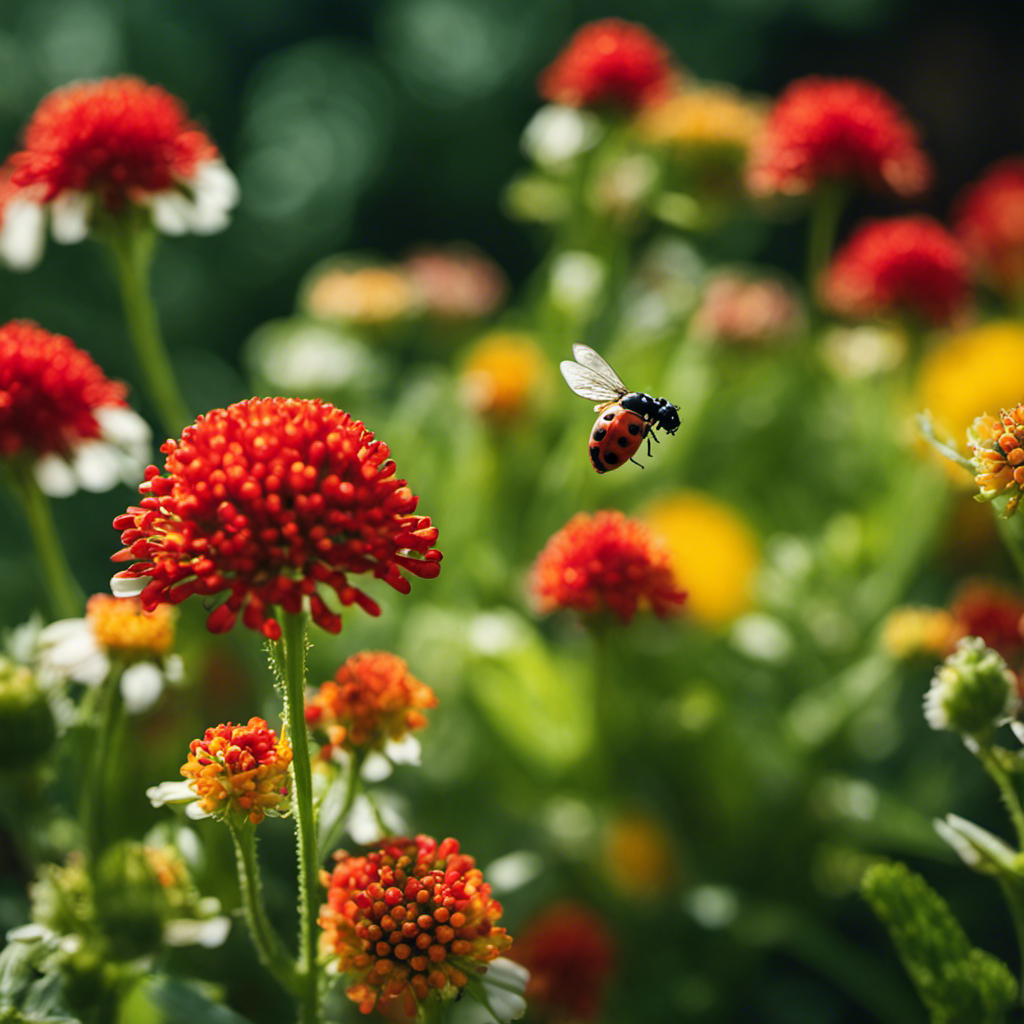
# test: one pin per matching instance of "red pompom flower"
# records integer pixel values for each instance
(909, 266)
(59, 410)
(837, 130)
(609, 63)
(265, 501)
(989, 221)
(105, 146)
(408, 920)
(606, 561)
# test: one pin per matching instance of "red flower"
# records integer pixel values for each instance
(609, 63)
(989, 221)
(992, 611)
(372, 698)
(114, 143)
(412, 918)
(570, 953)
(606, 561)
(240, 768)
(50, 391)
(837, 129)
(265, 500)
(903, 265)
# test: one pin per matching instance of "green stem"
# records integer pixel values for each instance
(131, 243)
(269, 947)
(1011, 529)
(1013, 891)
(1006, 788)
(351, 791)
(294, 656)
(66, 597)
(826, 209)
(95, 809)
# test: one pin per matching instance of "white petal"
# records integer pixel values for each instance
(141, 686)
(171, 212)
(55, 476)
(30, 933)
(97, 466)
(216, 185)
(407, 750)
(170, 793)
(362, 822)
(507, 974)
(22, 234)
(123, 426)
(63, 629)
(376, 767)
(174, 668)
(69, 217)
(195, 812)
(185, 931)
(128, 586)
(513, 870)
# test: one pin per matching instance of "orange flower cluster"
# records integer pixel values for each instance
(997, 447)
(900, 266)
(606, 561)
(842, 130)
(49, 391)
(124, 629)
(408, 920)
(372, 698)
(268, 499)
(609, 63)
(239, 769)
(989, 221)
(119, 138)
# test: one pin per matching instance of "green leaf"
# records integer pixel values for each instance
(160, 999)
(958, 983)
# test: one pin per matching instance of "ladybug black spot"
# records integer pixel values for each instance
(623, 442)
(599, 434)
(611, 458)
(634, 428)
(595, 458)
(608, 416)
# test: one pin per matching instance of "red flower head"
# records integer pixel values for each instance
(239, 768)
(992, 611)
(407, 920)
(372, 698)
(115, 143)
(606, 561)
(837, 129)
(609, 63)
(264, 500)
(570, 953)
(989, 221)
(904, 265)
(59, 410)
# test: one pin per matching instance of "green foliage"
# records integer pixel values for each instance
(958, 983)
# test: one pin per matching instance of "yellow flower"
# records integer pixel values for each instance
(913, 631)
(713, 552)
(504, 374)
(124, 629)
(972, 372)
(368, 296)
(640, 856)
(709, 118)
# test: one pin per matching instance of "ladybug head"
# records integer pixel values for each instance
(668, 418)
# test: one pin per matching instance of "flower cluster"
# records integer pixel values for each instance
(58, 409)
(265, 500)
(840, 130)
(98, 148)
(997, 452)
(372, 699)
(972, 691)
(606, 561)
(408, 920)
(609, 63)
(505, 372)
(903, 266)
(239, 769)
(989, 221)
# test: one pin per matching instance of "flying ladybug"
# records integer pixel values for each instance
(625, 418)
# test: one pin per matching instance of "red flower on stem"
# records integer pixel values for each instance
(265, 501)
(908, 266)
(841, 130)
(609, 63)
(606, 561)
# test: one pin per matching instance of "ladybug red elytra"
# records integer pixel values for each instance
(625, 417)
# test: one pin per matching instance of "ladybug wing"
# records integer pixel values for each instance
(591, 377)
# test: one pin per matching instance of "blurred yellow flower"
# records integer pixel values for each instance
(970, 373)
(640, 856)
(912, 631)
(706, 118)
(505, 373)
(713, 552)
(366, 296)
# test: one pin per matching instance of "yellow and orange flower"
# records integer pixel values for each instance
(504, 375)
(409, 920)
(240, 770)
(372, 699)
(997, 452)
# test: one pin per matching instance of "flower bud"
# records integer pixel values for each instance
(25, 717)
(972, 691)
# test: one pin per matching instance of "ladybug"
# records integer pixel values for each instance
(626, 418)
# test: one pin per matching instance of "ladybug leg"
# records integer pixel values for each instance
(635, 463)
